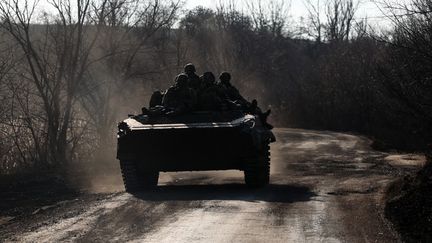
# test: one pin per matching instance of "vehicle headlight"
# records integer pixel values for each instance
(250, 123)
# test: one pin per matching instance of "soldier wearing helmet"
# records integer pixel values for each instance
(209, 97)
(207, 80)
(230, 92)
(179, 98)
(194, 81)
(233, 96)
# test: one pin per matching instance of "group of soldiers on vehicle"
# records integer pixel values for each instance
(193, 93)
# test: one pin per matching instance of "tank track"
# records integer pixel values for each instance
(135, 180)
(257, 173)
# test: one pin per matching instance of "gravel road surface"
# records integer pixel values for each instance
(325, 187)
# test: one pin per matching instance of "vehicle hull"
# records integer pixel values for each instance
(212, 141)
(190, 149)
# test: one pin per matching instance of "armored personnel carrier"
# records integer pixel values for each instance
(197, 141)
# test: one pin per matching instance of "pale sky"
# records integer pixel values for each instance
(367, 8)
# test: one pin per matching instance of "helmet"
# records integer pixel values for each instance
(181, 80)
(225, 77)
(189, 68)
(208, 77)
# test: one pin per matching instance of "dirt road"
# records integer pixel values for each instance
(325, 187)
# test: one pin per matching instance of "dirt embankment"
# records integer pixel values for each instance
(409, 204)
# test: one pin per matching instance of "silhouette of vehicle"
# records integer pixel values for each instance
(198, 141)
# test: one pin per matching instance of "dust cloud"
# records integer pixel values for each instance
(96, 177)
(99, 170)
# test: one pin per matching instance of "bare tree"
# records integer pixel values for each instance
(56, 59)
(332, 20)
(272, 16)
(125, 58)
(7, 62)
(340, 19)
(315, 18)
(408, 73)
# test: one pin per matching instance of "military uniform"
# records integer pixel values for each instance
(180, 98)
(230, 94)
(209, 97)
(156, 99)
(194, 81)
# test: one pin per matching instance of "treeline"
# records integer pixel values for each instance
(68, 75)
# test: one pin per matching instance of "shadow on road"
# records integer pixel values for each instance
(271, 193)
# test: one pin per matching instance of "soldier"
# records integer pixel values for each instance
(234, 96)
(156, 99)
(155, 106)
(230, 92)
(194, 81)
(209, 97)
(179, 98)
(207, 80)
